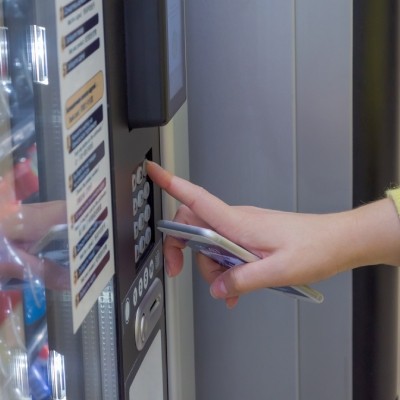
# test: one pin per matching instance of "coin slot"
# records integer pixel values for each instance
(155, 305)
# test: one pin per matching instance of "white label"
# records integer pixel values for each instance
(82, 74)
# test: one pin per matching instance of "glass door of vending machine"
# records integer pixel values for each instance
(57, 311)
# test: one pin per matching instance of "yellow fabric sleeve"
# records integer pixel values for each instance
(394, 194)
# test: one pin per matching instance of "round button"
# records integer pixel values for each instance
(141, 221)
(140, 287)
(146, 278)
(134, 184)
(135, 205)
(135, 230)
(147, 236)
(139, 175)
(137, 253)
(151, 269)
(140, 198)
(144, 169)
(142, 245)
(135, 297)
(147, 213)
(146, 190)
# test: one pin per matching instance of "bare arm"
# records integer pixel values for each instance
(294, 248)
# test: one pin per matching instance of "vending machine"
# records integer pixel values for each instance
(82, 291)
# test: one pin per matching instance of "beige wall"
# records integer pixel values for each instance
(179, 292)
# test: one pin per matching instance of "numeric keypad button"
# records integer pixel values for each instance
(146, 278)
(140, 198)
(151, 269)
(139, 175)
(142, 245)
(144, 170)
(147, 236)
(140, 287)
(137, 253)
(141, 221)
(147, 213)
(146, 190)
(135, 230)
(134, 184)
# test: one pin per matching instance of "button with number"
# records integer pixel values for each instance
(146, 190)
(147, 236)
(135, 297)
(140, 198)
(135, 205)
(137, 253)
(151, 269)
(144, 169)
(133, 182)
(147, 213)
(146, 278)
(139, 175)
(135, 230)
(140, 287)
(142, 245)
(141, 221)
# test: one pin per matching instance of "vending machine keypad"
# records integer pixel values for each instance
(142, 212)
(147, 261)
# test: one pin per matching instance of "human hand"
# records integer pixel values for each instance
(22, 226)
(293, 248)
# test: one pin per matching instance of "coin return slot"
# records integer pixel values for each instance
(148, 313)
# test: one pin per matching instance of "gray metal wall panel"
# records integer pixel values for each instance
(241, 131)
(240, 99)
(248, 353)
(324, 179)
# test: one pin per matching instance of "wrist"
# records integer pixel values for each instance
(394, 195)
(375, 234)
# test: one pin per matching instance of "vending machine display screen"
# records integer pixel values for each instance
(155, 61)
(176, 43)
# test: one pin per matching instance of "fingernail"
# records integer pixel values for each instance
(231, 302)
(218, 289)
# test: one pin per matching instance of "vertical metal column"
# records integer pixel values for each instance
(375, 305)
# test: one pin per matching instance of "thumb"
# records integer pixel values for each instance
(245, 278)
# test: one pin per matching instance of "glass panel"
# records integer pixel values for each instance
(40, 356)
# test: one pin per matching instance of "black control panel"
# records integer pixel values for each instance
(139, 276)
(138, 250)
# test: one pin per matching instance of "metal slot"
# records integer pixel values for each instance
(155, 304)
(149, 313)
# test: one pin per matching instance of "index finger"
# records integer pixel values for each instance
(208, 207)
